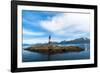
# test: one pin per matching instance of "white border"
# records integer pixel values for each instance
(52, 63)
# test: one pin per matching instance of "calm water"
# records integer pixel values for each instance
(28, 56)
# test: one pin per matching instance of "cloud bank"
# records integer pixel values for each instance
(67, 23)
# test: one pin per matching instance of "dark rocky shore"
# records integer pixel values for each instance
(53, 49)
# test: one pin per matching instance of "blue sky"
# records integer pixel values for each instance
(38, 25)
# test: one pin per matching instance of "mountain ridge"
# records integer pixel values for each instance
(74, 41)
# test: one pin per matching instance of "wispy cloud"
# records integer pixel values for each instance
(30, 33)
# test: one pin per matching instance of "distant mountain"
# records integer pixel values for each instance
(25, 44)
(75, 41)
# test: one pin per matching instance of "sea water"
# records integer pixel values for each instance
(28, 56)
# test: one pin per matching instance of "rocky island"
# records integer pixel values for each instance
(54, 49)
(51, 48)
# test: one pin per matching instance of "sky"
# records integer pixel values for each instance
(38, 25)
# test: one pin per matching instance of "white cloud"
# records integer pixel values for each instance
(27, 32)
(35, 40)
(67, 22)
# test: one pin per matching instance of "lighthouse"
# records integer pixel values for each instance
(49, 48)
(49, 40)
